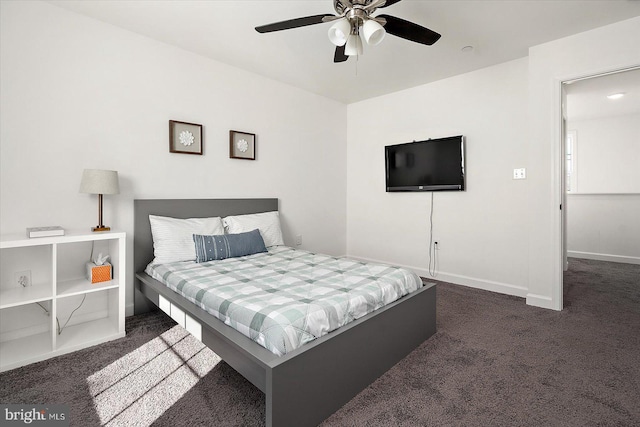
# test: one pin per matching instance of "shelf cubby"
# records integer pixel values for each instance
(57, 268)
(25, 350)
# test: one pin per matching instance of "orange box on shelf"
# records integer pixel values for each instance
(98, 273)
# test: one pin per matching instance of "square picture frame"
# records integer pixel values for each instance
(185, 138)
(242, 145)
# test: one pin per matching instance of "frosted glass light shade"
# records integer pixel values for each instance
(354, 45)
(339, 32)
(98, 181)
(373, 32)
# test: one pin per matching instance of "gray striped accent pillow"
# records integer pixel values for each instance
(209, 248)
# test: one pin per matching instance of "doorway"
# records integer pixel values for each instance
(600, 181)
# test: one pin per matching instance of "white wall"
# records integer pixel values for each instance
(501, 234)
(604, 227)
(602, 224)
(78, 93)
(608, 154)
(482, 231)
(604, 49)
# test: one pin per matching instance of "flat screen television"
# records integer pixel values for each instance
(431, 165)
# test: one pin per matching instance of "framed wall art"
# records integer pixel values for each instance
(242, 145)
(185, 137)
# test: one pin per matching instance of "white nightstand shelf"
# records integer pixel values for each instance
(14, 297)
(87, 334)
(28, 332)
(83, 286)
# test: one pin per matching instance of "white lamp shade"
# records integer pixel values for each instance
(373, 32)
(339, 32)
(354, 45)
(98, 181)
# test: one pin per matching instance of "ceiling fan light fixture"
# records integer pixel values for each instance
(354, 45)
(353, 19)
(373, 32)
(339, 32)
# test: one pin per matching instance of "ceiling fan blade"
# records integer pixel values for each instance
(390, 2)
(293, 23)
(375, 4)
(339, 56)
(408, 30)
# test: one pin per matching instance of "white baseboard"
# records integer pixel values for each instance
(541, 301)
(472, 282)
(128, 310)
(604, 257)
(487, 285)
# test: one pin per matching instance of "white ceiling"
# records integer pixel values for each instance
(499, 31)
(587, 99)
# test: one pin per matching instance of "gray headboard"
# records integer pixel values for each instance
(181, 208)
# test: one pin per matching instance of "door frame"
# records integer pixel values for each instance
(558, 176)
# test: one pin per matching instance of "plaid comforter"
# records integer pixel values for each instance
(286, 297)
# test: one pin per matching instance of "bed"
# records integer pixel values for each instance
(306, 385)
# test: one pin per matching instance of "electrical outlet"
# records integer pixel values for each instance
(299, 240)
(22, 278)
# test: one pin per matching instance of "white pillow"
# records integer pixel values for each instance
(268, 223)
(173, 237)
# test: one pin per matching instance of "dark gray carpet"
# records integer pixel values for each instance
(494, 361)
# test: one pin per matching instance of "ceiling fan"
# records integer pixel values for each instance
(353, 20)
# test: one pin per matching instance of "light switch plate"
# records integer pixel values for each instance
(520, 173)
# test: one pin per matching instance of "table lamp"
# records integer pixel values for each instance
(98, 181)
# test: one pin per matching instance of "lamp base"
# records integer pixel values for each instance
(100, 228)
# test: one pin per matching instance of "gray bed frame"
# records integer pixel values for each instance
(307, 385)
